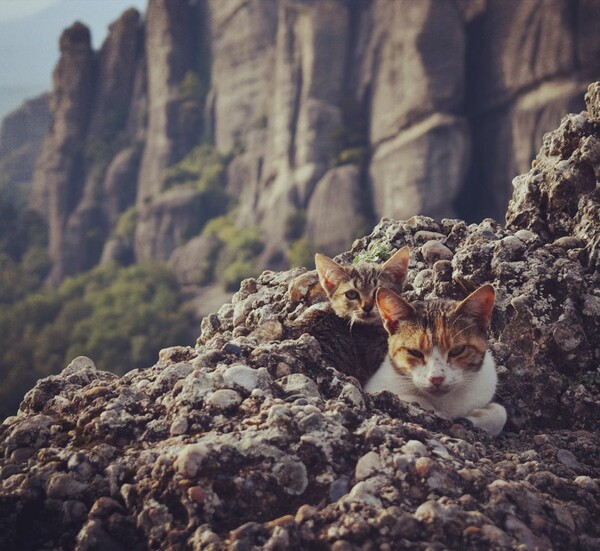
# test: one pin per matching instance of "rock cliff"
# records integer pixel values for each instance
(250, 440)
(21, 137)
(397, 108)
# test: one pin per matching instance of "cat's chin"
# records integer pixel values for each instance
(436, 391)
(367, 319)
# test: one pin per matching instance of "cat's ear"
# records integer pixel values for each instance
(331, 274)
(393, 309)
(479, 305)
(396, 267)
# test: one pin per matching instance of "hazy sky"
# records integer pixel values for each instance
(29, 34)
(17, 9)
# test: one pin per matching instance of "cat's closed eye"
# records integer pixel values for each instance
(415, 353)
(352, 294)
(456, 351)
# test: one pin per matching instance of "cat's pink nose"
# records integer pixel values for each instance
(437, 380)
(368, 306)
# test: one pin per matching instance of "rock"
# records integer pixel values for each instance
(163, 223)
(169, 58)
(434, 250)
(265, 86)
(224, 399)
(54, 178)
(21, 136)
(407, 166)
(335, 211)
(297, 383)
(194, 262)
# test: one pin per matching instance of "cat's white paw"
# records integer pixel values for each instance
(491, 418)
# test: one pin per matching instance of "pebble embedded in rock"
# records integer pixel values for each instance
(242, 377)
(414, 447)
(368, 465)
(64, 485)
(298, 383)
(224, 399)
(190, 458)
(568, 459)
(179, 426)
(435, 250)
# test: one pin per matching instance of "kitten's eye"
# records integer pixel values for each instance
(457, 351)
(415, 353)
(352, 295)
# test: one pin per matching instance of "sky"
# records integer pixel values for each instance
(29, 34)
(17, 9)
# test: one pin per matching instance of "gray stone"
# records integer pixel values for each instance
(334, 215)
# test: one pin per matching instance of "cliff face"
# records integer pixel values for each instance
(251, 439)
(21, 137)
(393, 108)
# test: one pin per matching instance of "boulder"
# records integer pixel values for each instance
(336, 210)
(164, 224)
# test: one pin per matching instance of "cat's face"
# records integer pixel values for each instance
(351, 289)
(439, 344)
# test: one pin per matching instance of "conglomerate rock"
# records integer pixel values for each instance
(249, 440)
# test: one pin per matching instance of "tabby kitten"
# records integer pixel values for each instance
(438, 356)
(348, 327)
(351, 289)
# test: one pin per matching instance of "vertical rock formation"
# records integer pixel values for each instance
(169, 58)
(58, 177)
(111, 156)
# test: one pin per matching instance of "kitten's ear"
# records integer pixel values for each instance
(396, 267)
(393, 309)
(479, 305)
(331, 274)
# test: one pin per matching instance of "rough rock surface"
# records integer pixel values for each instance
(250, 440)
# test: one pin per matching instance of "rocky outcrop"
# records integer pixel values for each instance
(58, 177)
(250, 439)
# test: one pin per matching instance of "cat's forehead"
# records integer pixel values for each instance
(432, 310)
(364, 274)
(439, 319)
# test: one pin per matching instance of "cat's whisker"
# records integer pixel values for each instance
(465, 329)
(455, 321)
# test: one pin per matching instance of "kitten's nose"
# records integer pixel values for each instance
(368, 306)
(437, 380)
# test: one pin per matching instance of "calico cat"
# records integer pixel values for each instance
(438, 356)
(347, 325)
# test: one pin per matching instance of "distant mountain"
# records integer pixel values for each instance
(29, 46)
